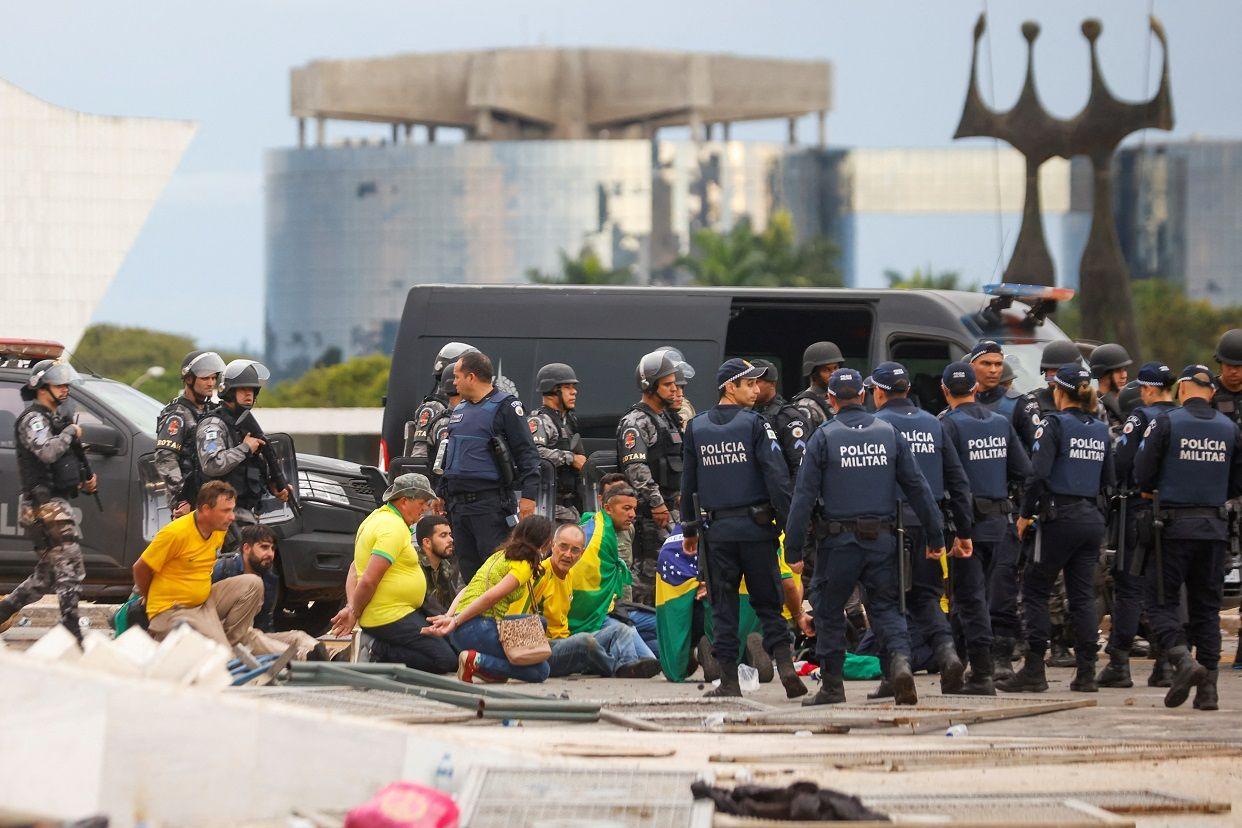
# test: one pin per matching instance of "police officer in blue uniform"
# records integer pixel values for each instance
(487, 455)
(735, 474)
(1072, 465)
(787, 420)
(993, 456)
(853, 467)
(1155, 383)
(987, 359)
(938, 460)
(1189, 464)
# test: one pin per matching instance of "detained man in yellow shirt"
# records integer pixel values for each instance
(173, 576)
(554, 592)
(386, 586)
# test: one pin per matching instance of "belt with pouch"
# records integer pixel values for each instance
(866, 528)
(1209, 512)
(762, 514)
(988, 506)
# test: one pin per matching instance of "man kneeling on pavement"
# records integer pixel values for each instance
(173, 576)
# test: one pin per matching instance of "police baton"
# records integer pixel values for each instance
(1157, 529)
(1119, 562)
(903, 573)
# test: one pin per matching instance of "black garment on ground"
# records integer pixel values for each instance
(402, 642)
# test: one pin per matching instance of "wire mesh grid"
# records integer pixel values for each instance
(371, 704)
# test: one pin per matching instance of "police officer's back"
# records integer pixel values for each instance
(737, 479)
(488, 454)
(853, 466)
(1190, 463)
(819, 360)
(554, 430)
(177, 424)
(787, 419)
(420, 430)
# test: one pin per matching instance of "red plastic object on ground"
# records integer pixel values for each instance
(406, 805)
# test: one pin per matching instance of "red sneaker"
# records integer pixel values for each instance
(465, 665)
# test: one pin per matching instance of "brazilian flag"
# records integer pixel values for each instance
(599, 577)
(677, 580)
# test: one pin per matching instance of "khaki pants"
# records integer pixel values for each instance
(227, 616)
(279, 641)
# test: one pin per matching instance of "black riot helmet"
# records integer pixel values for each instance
(1007, 373)
(1229, 348)
(201, 364)
(448, 381)
(243, 373)
(48, 372)
(1057, 354)
(554, 374)
(1108, 357)
(820, 353)
(1129, 398)
(448, 355)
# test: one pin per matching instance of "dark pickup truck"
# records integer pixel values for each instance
(118, 424)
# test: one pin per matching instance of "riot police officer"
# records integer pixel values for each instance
(486, 456)
(735, 476)
(1037, 404)
(819, 360)
(1155, 384)
(649, 441)
(52, 468)
(854, 465)
(1109, 363)
(176, 425)
(786, 419)
(418, 431)
(1072, 465)
(232, 453)
(1228, 401)
(994, 460)
(682, 407)
(987, 359)
(938, 460)
(554, 430)
(1189, 464)
(438, 430)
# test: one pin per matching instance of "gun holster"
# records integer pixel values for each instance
(763, 515)
(504, 460)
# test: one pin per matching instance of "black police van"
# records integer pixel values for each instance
(118, 425)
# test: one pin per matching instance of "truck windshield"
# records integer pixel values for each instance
(137, 408)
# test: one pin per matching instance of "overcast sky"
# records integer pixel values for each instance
(900, 73)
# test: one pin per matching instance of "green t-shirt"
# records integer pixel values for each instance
(492, 572)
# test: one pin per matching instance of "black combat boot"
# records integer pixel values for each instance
(1160, 669)
(711, 670)
(790, 679)
(1187, 673)
(1030, 679)
(980, 681)
(1002, 659)
(1084, 679)
(831, 691)
(1116, 672)
(759, 659)
(729, 687)
(950, 667)
(902, 679)
(883, 690)
(1060, 655)
(1206, 697)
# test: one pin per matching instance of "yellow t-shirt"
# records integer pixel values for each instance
(182, 560)
(492, 572)
(402, 588)
(553, 595)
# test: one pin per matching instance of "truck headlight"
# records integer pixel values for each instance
(321, 488)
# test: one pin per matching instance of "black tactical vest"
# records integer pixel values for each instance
(40, 480)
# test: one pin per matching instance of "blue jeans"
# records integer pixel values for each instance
(579, 653)
(480, 634)
(622, 643)
(645, 622)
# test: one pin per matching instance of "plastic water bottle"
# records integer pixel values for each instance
(957, 730)
(444, 774)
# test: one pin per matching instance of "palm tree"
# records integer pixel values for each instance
(587, 269)
(926, 279)
(742, 258)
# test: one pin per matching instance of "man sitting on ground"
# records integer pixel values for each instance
(256, 557)
(433, 536)
(385, 588)
(173, 576)
(554, 592)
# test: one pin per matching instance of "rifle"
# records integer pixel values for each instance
(249, 427)
(84, 465)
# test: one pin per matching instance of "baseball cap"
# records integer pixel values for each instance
(845, 382)
(412, 485)
(1156, 375)
(889, 376)
(959, 378)
(736, 369)
(1198, 374)
(1071, 375)
(769, 370)
(984, 346)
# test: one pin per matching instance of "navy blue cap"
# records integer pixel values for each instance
(1198, 374)
(984, 346)
(769, 370)
(959, 378)
(889, 376)
(1156, 375)
(736, 369)
(845, 382)
(1071, 375)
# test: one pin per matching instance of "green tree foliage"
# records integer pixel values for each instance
(586, 269)
(741, 257)
(125, 353)
(924, 278)
(360, 382)
(1172, 327)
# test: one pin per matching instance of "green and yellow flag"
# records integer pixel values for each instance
(599, 577)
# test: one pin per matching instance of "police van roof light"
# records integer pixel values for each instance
(1042, 300)
(30, 349)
